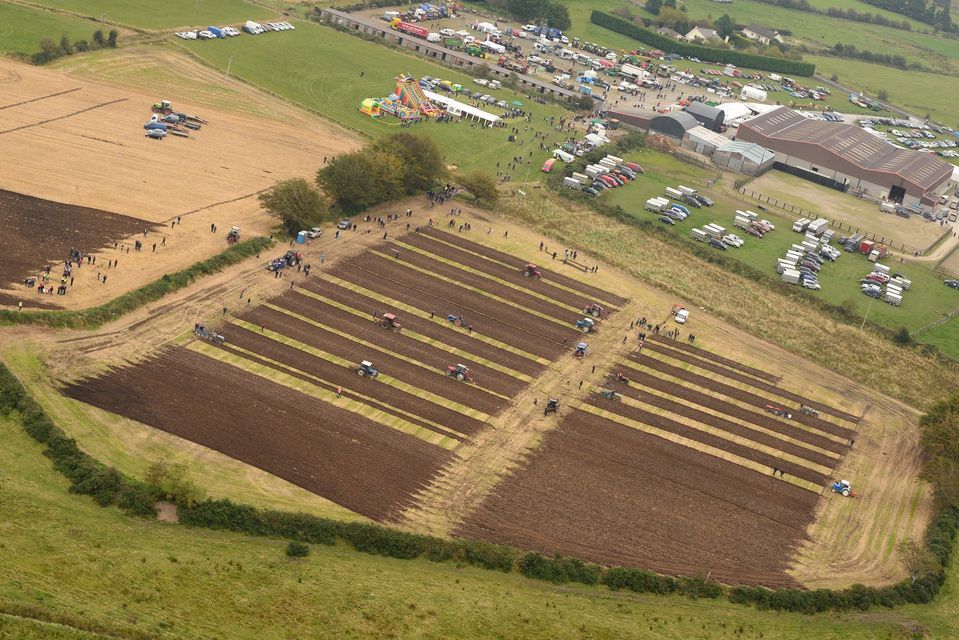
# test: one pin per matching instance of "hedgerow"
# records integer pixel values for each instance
(727, 56)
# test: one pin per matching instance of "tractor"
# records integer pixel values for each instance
(593, 309)
(164, 106)
(234, 236)
(530, 271)
(843, 488)
(581, 349)
(617, 377)
(778, 411)
(458, 321)
(459, 371)
(609, 394)
(552, 405)
(808, 411)
(391, 322)
(366, 370)
(587, 325)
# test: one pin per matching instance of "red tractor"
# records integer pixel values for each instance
(778, 411)
(593, 309)
(459, 371)
(391, 322)
(530, 271)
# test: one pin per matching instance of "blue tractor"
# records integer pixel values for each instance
(367, 370)
(587, 325)
(581, 349)
(843, 488)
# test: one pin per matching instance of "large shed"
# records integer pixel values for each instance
(847, 158)
(702, 140)
(710, 117)
(674, 125)
(744, 157)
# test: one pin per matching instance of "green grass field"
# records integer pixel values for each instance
(319, 68)
(22, 28)
(166, 15)
(922, 304)
(100, 567)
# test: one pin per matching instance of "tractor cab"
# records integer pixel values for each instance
(234, 236)
(530, 271)
(843, 488)
(581, 349)
(586, 325)
(609, 394)
(552, 405)
(459, 371)
(593, 310)
(164, 106)
(458, 321)
(391, 322)
(367, 370)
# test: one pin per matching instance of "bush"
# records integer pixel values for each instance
(297, 204)
(559, 569)
(741, 59)
(481, 185)
(297, 549)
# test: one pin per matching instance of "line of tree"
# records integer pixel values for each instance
(933, 12)
(844, 14)
(889, 59)
(50, 50)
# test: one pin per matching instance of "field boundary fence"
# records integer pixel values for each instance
(800, 212)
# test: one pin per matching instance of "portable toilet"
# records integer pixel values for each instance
(301, 237)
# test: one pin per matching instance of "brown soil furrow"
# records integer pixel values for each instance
(726, 425)
(548, 275)
(498, 320)
(420, 377)
(709, 355)
(485, 284)
(714, 404)
(734, 392)
(366, 467)
(347, 379)
(676, 511)
(656, 420)
(763, 386)
(508, 274)
(456, 338)
(373, 333)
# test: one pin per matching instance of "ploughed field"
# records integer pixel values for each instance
(282, 392)
(683, 471)
(35, 232)
(676, 473)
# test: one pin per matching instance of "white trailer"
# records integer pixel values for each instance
(791, 276)
(714, 230)
(880, 268)
(752, 215)
(630, 71)
(818, 226)
(752, 94)
(582, 178)
(811, 246)
(893, 299)
(674, 193)
(782, 265)
(572, 183)
(887, 207)
(794, 256)
(614, 159)
(698, 234)
(656, 204)
(801, 225)
(905, 283)
(741, 222)
(686, 191)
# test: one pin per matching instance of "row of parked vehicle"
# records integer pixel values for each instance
(608, 173)
(885, 286)
(253, 28)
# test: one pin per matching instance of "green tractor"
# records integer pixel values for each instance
(164, 106)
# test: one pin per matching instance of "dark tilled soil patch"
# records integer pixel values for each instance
(548, 275)
(373, 333)
(704, 400)
(366, 467)
(739, 394)
(388, 398)
(36, 232)
(709, 355)
(508, 274)
(614, 495)
(436, 382)
(447, 334)
(488, 317)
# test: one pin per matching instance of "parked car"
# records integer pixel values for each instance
(205, 35)
(315, 232)
(344, 224)
(811, 284)
(703, 200)
(590, 191)
(667, 220)
(952, 283)
(717, 244)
